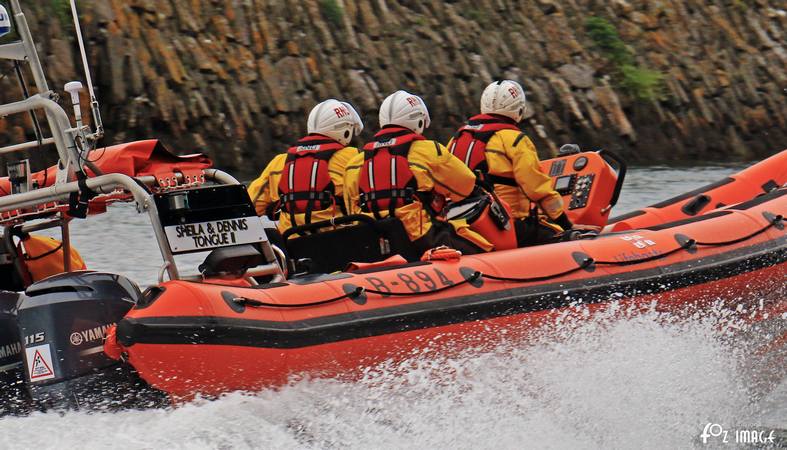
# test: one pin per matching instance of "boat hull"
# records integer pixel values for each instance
(199, 338)
(183, 370)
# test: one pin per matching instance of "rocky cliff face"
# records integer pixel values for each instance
(236, 78)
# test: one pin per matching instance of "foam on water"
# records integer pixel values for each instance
(616, 380)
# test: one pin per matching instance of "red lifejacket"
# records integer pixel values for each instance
(469, 144)
(305, 183)
(386, 181)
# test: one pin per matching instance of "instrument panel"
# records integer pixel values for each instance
(589, 183)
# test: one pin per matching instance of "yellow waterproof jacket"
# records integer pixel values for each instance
(264, 191)
(435, 170)
(511, 154)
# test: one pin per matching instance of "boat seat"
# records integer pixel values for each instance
(329, 247)
(232, 261)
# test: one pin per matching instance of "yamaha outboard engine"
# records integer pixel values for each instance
(10, 347)
(63, 320)
(13, 395)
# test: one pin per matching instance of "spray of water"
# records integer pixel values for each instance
(617, 379)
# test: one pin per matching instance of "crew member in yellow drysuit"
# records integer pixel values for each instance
(492, 144)
(401, 173)
(307, 182)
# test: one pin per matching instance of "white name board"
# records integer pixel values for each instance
(216, 233)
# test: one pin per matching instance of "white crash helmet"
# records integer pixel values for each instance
(506, 98)
(336, 120)
(406, 110)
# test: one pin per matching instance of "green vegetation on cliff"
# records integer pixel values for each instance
(62, 10)
(332, 11)
(639, 82)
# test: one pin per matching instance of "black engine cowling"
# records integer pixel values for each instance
(13, 393)
(10, 345)
(62, 321)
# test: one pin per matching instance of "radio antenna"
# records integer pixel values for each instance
(93, 102)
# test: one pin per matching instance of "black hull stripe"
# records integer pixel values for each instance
(487, 305)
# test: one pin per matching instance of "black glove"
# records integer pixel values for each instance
(564, 222)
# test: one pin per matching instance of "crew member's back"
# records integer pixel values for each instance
(400, 173)
(492, 144)
(306, 184)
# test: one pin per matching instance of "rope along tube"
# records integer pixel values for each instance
(362, 290)
(357, 292)
(586, 263)
(685, 246)
(774, 221)
(244, 301)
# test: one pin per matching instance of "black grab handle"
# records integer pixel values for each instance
(342, 220)
(618, 165)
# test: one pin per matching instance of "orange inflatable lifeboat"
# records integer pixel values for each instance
(760, 178)
(218, 336)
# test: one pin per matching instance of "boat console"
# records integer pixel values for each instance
(590, 182)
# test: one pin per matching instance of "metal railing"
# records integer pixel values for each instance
(73, 159)
(58, 122)
(108, 184)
